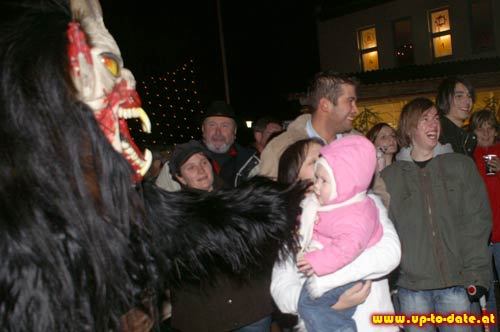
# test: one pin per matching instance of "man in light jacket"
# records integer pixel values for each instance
(333, 99)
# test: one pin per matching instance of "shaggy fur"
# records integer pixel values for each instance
(235, 232)
(76, 246)
(68, 207)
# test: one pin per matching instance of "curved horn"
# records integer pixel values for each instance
(86, 8)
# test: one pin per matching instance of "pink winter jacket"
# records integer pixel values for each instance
(346, 231)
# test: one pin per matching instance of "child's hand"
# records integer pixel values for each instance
(305, 267)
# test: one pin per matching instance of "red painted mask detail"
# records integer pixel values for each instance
(123, 97)
(77, 44)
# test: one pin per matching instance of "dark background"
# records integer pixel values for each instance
(270, 47)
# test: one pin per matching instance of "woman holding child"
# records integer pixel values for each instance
(371, 263)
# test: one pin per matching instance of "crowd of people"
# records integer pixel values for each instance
(315, 227)
(398, 219)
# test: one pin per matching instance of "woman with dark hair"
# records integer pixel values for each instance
(439, 206)
(383, 136)
(297, 164)
(454, 102)
(297, 161)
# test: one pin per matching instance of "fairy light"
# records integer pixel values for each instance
(173, 105)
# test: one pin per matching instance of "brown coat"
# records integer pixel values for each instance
(225, 306)
(270, 156)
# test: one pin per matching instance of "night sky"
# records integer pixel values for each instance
(271, 47)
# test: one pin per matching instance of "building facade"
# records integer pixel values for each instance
(402, 49)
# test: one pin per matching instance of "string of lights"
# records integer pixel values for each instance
(173, 106)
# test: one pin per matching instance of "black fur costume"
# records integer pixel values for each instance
(79, 242)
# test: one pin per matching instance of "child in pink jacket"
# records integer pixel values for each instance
(337, 224)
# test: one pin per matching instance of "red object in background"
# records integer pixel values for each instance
(492, 183)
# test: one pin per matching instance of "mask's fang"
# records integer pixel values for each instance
(148, 159)
(127, 113)
(145, 123)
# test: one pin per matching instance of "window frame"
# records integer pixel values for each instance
(434, 35)
(362, 51)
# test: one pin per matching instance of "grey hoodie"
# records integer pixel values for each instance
(404, 153)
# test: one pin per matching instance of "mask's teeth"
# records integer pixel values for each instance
(124, 113)
(125, 145)
(127, 113)
(134, 158)
(129, 151)
(132, 155)
(148, 159)
(145, 123)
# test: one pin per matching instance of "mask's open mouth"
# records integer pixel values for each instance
(140, 161)
(119, 102)
(128, 104)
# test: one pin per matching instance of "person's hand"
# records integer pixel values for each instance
(136, 320)
(305, 267)
(354, 296)
(383, 148)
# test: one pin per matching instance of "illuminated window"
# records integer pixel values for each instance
(441, 33)
(367, 41)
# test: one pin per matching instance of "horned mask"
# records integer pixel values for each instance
(104, 84)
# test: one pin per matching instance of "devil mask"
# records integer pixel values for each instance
(104, 84)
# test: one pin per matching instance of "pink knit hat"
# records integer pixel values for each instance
(352, 160)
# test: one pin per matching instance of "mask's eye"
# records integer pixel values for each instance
(111, 63)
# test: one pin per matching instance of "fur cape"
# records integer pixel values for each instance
(79, 243)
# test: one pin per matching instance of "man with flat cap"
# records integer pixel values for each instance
(231, 161)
